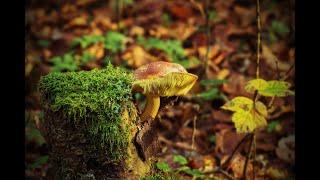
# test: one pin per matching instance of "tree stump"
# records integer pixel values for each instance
(92, 127)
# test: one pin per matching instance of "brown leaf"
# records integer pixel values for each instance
(136, 56)
(209, 163)
(180, 10)
(237, 165)
(137, 31)
(226, 141)
(271, 59)
(78, 21)
(221, 116)
(96, 50)
(276, 173)
(286, 149)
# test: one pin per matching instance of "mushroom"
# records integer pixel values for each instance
(161, 78)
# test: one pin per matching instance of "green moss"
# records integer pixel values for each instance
(97, 98)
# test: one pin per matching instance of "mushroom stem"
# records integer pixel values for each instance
(151, 108)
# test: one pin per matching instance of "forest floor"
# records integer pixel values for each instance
(86, 34)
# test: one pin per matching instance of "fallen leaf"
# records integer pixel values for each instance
(137, 31)
(209, 163)
(223, 74)
(180, 10)
(271, 59)
(226, 141)
(276, 173)
(286, 149)
(78, 21)
(96, 50)
(237, 166)
(136, 56)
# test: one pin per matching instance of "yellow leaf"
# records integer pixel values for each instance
(248, 121)
(247, 118)
(239, 103)
(261, 108)
(255, 84)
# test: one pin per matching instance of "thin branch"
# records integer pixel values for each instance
(254, 154)
(208, 35)
(248, 156)
(259, 38)
(194, 131)
(234, 151)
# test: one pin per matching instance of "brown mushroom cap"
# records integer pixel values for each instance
(163, 79)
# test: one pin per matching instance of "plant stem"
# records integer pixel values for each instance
(259, 38)
(248, 156)
(208, 34)
(234, 151)
(194, 131)
(254, 154)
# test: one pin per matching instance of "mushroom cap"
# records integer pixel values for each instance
(162, 78)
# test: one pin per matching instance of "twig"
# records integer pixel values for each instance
(225, 173)
(219, 170)
(259, 38)
(234, 151)
(254, 154)
(248, 156)
(179, 145)
(194, 131)
(287, 73)
(281, 79)
(208, 33)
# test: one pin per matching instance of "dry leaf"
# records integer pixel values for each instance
(209, 163)
(136, 56)
(96, 50)
(223, 74)
(237, 166)
(286, 149)
(276, 173)
(137, 31)
(271, 59)
(78, 21)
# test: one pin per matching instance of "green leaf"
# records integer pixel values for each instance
(269, 88)
(86, 41)
(86, 57)
(166, 19)
(272, 126)
(64, 63)
(277, 88)
(180, 159)
(39, 162)
(210, 94)
(279, 27)
(213, 82)
(44, 43)
(212, 139)
(213, 15)
(172, 48)
(114, 41)
(193, 172)
(163, 166)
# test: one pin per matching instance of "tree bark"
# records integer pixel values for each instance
(73, 156)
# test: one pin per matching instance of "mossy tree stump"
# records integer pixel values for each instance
(92, 126)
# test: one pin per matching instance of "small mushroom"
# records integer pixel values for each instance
(161, 79)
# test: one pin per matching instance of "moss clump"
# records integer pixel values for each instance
(97, 98)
